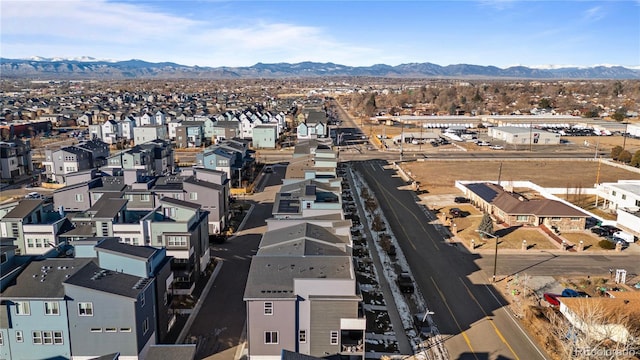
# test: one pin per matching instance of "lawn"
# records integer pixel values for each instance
(439, 176)
(589, 240)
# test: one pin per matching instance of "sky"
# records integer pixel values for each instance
(216, 33)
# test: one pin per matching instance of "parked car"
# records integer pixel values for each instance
(552, 299)
(569, 293)
(455, 212)
(497, 147)
(405, 283)
(461, 199)
(610, 229)
(599, 231)
(33, 195)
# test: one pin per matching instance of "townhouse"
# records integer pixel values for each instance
(15, 159)
(102, 300)
(301, 294)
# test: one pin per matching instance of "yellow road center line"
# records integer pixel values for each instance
(495, 328)
(445, 302)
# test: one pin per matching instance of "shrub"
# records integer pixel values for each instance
(606, 244)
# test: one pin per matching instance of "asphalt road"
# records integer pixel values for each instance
(221, 320)
(553, 264)
(469, 313)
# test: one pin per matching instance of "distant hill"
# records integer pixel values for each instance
(90, 68)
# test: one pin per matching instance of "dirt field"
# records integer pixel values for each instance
(438, 177)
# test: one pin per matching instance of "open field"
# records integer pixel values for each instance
(438, 176)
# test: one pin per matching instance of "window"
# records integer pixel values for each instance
(333, 340)
(177, 241)
(638, 203)
(19, 336)
(57, 338)
(270, 337)
(36, 336)
(51, 308)
(624, 196)
(142, 300)
(47, 337)
(193, 196)
(110, 329)
(268, 308)
(30, 243)
(85, 309)
(79, 198)
(95, 329)
(575, 219)
(522, 218)
(144, 197)
(125, 329)
(22, 308)
(613, 193)
(302, 336)
(145, 326)
(1, 339)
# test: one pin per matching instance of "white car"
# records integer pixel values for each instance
(497, 147)
(33, 195)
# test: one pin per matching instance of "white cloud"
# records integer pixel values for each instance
(103, 29)
(593, 14)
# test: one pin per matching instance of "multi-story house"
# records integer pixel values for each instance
(111, 296)
(315, 126)
(15, 159)
(208, 126)
(34, 226)
(215, 158)
(265, 136)
(147, 133)
(184, 232)
(99, 151)
(126, 126)
(82, 195)
(189, 134)
(172, 126)
(110, 132)
(307, 198)
(210, 189)
(224, 129)
(88, 155)
(151, 158)
(305, 303)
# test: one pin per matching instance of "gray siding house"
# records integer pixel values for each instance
(15, 159)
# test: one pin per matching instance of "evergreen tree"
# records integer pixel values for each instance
(486, 225)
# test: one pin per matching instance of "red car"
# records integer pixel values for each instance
(552, 299)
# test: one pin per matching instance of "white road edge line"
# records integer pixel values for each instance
(515, 322)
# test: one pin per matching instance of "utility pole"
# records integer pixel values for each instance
(499, 173)
(495, 255)
(401, 141)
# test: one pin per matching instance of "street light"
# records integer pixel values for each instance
(495, 256)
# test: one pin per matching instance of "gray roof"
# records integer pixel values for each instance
(299, 232)
(272, 276)
(43, 279)
(80, 230)
(108, 208)
(172, 352)
(113, 245)
(93, 277)
(181, 203)
(23, 209)
(302, 247)
(210, 185)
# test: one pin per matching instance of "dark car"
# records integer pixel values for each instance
(405, 283)
(599, 231)
(455, 212)
(461, 200)
(609, 229)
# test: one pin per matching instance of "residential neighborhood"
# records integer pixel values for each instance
(124, 206)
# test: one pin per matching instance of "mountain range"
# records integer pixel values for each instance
(91, 68)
